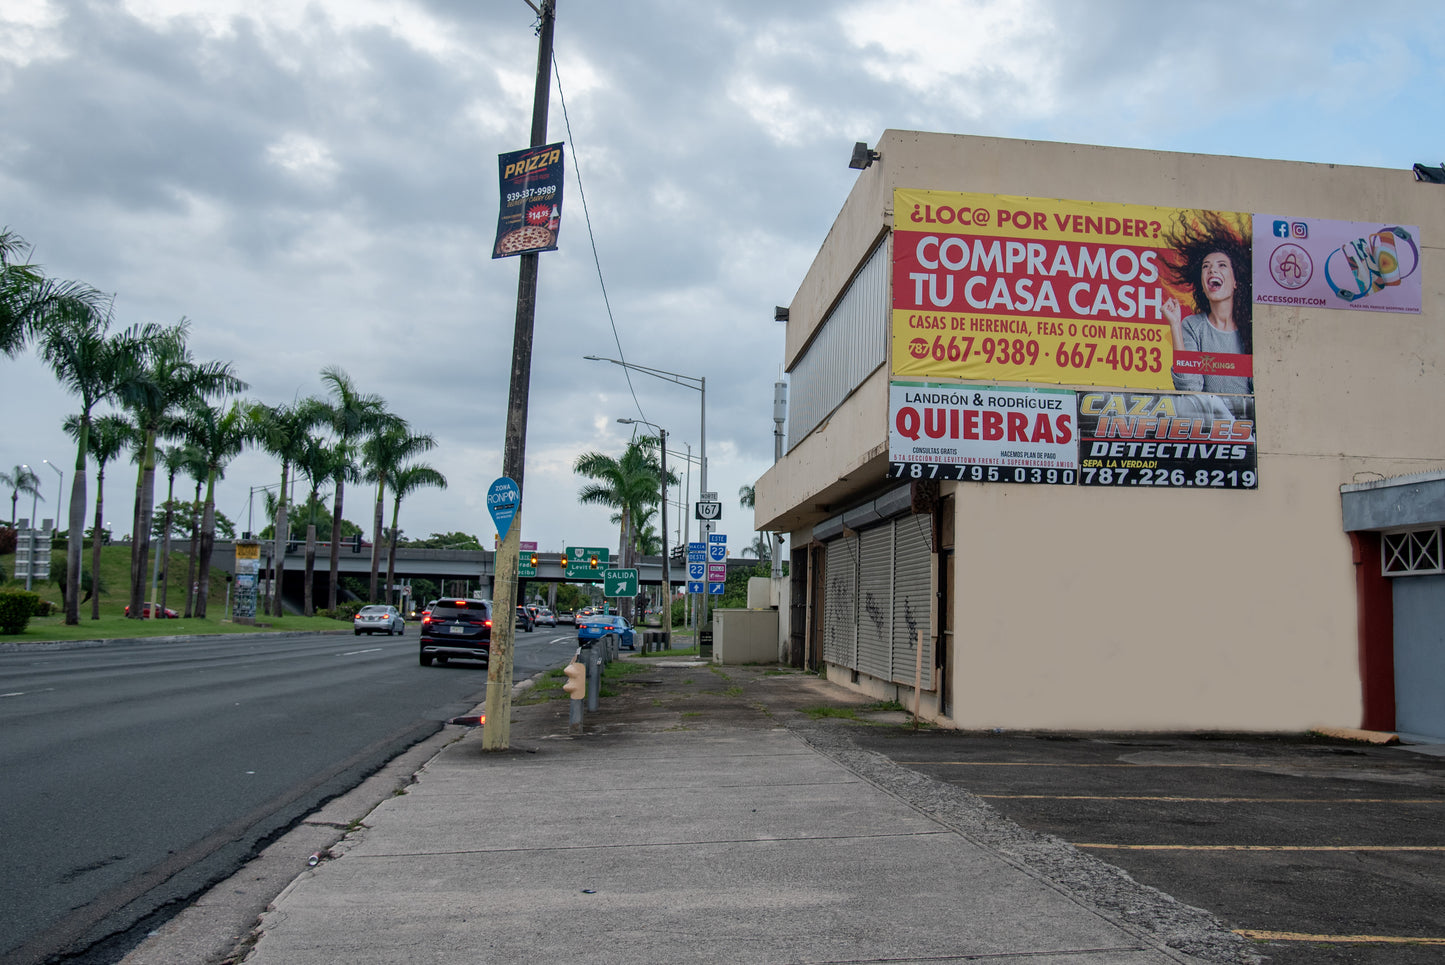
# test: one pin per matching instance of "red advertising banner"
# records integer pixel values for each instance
(1003, 288)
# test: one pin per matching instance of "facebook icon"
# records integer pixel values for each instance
(1281, 229)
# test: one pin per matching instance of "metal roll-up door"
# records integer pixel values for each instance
(912, 599)
(875, 601)
(840, 603)
(1419, 617)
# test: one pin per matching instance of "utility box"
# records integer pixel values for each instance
(745, 636)
(761, 593)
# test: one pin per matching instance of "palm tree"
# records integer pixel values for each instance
(747, 497)
(384, 452)
(317, 463)
(109, 434)
(176, 459)
(95, 366)
(626, 484)
(172, 380)
(29, 301)
(283, 431)
(220, 435)
(22, 480)
(353, 414)
(197, 469)
(405, 481)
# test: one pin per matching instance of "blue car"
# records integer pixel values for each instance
(599, 625)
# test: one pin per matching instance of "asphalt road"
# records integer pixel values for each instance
(1322, 852)
(137, 773)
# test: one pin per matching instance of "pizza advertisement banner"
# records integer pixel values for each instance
(531, 210)
(982, 433)
(1357, 265)
(1168, 440)
(1017, 289)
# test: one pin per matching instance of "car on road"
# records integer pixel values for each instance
(545, 617)
(524, 619)
(566, 616)
(457, 628)
(146, 609)
(599, 625)
(378, 618)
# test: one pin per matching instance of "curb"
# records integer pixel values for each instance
(31, 645)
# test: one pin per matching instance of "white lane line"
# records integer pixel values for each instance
(26, 693)
(352, 653)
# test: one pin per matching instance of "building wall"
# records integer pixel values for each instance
(1097, 608)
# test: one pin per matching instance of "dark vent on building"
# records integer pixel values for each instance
(1424, 172)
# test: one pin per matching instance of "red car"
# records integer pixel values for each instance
(164, 612)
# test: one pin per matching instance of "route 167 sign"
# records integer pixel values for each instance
(709, 510)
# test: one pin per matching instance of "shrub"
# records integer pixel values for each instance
(16, 608)
(7, 540)
(347, 610)
(45, 608)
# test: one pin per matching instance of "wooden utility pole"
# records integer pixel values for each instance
(497, 731)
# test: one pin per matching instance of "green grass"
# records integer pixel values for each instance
(115, 594)
(549, 685)
(824, 710)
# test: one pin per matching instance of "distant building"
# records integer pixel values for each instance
(1094, 510)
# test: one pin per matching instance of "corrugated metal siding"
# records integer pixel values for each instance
(840, 603)
(912, 599)
(875, 600)
(850, 344)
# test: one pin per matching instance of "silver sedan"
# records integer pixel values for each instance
(378, 618)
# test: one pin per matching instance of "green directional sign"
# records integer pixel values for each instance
(585, 562)
(619, 582)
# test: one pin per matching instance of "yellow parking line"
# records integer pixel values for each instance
(1291, 936)
(1265, 847)
(1215, 800)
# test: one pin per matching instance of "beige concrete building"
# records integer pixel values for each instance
(1175, 598)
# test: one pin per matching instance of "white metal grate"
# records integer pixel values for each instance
(1413, 553)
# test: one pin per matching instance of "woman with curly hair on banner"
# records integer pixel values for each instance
(1214, 262)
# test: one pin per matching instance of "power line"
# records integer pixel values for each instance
(587, 216)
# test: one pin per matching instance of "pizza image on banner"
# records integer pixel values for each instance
(1003, 288)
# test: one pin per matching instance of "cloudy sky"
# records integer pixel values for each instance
(316, 183)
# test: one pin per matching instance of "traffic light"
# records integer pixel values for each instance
(576, 685)
(356, 542)
(534, 561)
(593, 561)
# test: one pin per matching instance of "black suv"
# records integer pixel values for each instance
(457, 628)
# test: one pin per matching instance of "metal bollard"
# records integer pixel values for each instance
(594, 676)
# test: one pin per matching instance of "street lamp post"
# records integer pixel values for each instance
(692, 382)
(662, 492)
(59, 498)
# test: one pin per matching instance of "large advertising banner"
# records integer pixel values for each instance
(1359, 265)
(531, 211)
(982, 433)
(1003, 288)
(1168, 440)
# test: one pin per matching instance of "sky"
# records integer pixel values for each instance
(315, 184)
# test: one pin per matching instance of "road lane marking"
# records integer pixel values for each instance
(1293, 936)
(27, 693)
(352, 653)
(1265, 847)
(1052, 764)
(1214, 800)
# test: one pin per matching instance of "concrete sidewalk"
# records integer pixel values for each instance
(704, 816)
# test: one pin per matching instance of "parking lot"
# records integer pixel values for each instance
(1319, 850)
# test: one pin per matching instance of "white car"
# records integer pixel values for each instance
(378, 618)
(545, 617)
